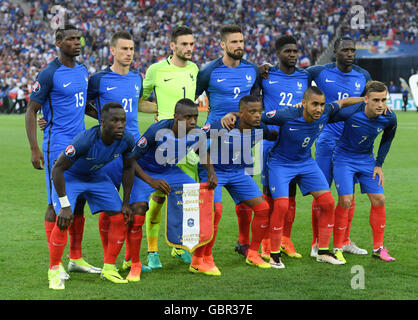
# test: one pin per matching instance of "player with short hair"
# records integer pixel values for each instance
(284, 87)
(171, 79)
(120, 84)
(77, 172)
(231, 155)
(353, 156)
(226, 80)
(291, 158)
(60, 91)
(338, 80)
(157, 170)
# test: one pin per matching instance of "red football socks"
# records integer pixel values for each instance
(218, 214)
(57, 244)
(260, 224)
(76, 231)
(116, 238)
(289, 218)
(104, 223)
(377, 222)
(281, 205)
(315, 216)
(49, 226)
(340, 226)
(244, 214)
(134, 237)
(326, 219)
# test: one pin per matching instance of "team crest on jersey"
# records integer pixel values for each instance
(142, 143)
(70, 151)
(36, 87)
(190, 222)
(206, 127)
(249, 78)
(358, 85)
(271, 114)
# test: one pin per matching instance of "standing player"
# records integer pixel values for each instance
(77, 172)
(284, 87)
(226, 80)
(118, 83)
(171, 79)
(60, 91)
(337, 80)
(291, 159)
(353, 156)
(232, 175)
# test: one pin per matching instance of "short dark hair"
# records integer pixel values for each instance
(339, 40)
(374, 86)
(312, 90)
(109, 106)
(180, 31)
(119, 35)
(185, 102)
(60, 33)
(230, 28)
(247, 99)
(283, 40)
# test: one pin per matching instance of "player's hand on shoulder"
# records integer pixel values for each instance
(228, 121)
(387, 108)
(65, 218)
(42, 123)
(264, 70)
(161, 185)
(298, 105)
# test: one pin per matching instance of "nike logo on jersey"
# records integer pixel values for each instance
(272, 82)
(293, 129)
(327, 80)
(110, 88)
(89, 159)
(355, 126)
(65, 85)
(379, 129)
(165, 80)
(220, 80)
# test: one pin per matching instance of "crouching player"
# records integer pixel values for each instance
(77, 172)
(159, 151)
(231, 155)
(353, 157)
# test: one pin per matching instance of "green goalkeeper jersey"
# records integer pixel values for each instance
(170, 83)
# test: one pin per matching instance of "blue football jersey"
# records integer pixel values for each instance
(107, 86)
(158, 148)
(225, 86)
(296, 134)
(360, 132)
(89, 154)
(338, 85)
(62, 92)
(231, 150)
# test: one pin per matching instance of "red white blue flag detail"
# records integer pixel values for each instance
(189, 216)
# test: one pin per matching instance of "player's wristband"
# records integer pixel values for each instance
(64, 202)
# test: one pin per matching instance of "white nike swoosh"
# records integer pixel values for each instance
(220, 80)
(271, 82)
(66, 84)
(119, 242)
(326, 80)
(293, 129)
(355, 126)
(276, 229)
(264, 226)
(330, 225)
(110, 88)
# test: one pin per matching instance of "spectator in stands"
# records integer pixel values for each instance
(392, 87)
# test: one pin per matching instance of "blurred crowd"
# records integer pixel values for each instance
(28, 40)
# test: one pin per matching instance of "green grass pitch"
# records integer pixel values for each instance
(24, 257)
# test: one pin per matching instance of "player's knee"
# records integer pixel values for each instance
(159, 200)
(345, 201)
(378, 200)
(139, 208)
(281, 205)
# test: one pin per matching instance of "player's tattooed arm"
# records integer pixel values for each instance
(37, 157)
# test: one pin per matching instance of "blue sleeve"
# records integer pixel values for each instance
(146, 142)
(203, 77)
(342, 114)
(385, 143)
(79, 147)
(268, 134)
(43, 85)
(279, 117)
(130, 145)
(314, 72)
